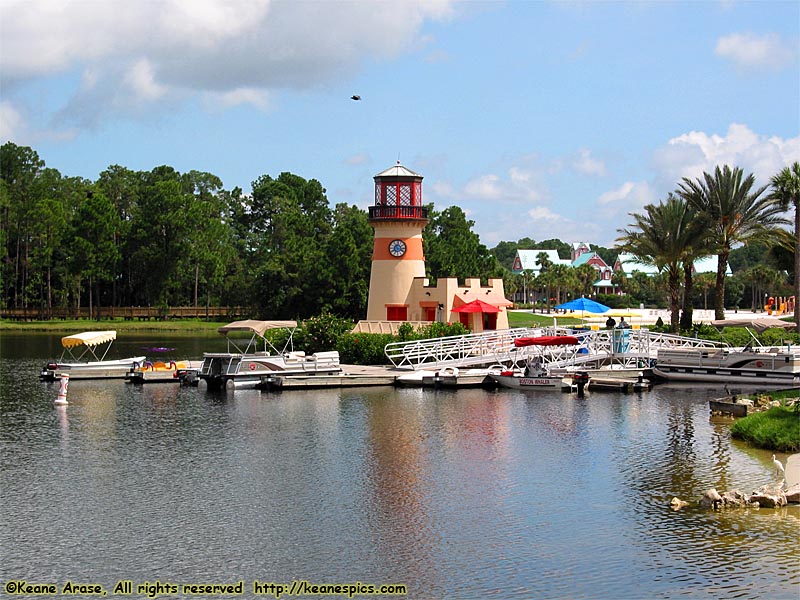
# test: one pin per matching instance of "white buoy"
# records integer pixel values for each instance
(61, 399)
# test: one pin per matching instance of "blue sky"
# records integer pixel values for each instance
(538, 119)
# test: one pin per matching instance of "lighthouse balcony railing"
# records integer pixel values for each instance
(385, 211)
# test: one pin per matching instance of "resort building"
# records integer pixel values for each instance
(399, 291)
(527, 261)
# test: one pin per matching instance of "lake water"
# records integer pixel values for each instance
(455, 494)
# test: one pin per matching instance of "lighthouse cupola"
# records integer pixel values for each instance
(397, 218)
(398, 195)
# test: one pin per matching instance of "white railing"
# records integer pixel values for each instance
(458, 350)
(622, 346)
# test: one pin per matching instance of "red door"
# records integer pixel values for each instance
(396, 313)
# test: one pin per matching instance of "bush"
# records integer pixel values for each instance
(614, 301)
(707, 332)
(367, 348)
(405, 332)
(364, 348)
(778, 337)
(736, 336)
(321, 333)
(441, 330)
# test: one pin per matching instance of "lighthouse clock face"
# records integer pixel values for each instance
(397, 248)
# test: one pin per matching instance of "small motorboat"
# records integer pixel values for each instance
(533, 377)
(87, 345)
(181, 371)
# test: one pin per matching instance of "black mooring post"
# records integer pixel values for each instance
(581, 379)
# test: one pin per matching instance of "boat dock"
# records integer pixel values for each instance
(372, 376)
(351, 376)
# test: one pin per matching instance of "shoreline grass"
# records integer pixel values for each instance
(775, 429)
(515, 319)
(78, 325)
(526, 319)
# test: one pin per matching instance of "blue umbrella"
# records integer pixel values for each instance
(584, 304)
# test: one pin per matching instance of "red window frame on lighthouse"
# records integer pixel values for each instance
(398, 194)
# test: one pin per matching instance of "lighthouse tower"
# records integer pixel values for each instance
(397, 219)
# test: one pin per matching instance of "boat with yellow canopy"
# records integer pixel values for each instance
(84, 357)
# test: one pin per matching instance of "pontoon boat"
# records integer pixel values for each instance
(244, 367)
(99, 368)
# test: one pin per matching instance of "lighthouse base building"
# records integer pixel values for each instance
(399, 292)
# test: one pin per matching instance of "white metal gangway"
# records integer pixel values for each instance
(622, 346)
(471, 349)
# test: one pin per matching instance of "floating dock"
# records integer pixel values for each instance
(619, 383)
(309, 382)
(364, 376)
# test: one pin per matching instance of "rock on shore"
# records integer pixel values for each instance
(768, 496)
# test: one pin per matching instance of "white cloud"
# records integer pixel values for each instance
(15, 127)
(519, 176)
(691, 154)
(259, 99)
(443, 189)
(140, 82)
(487, 187)
(40, 36)
(586, 164)
(519, 186)
(358, 159)
(172, 48)
(544, 213)
(630, 194)
(11, 122)
(749, 51)
(614, 206)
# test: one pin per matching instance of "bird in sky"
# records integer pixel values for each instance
(355, 97)
(778, 466)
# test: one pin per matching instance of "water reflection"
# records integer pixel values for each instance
(63, 422)
(457, 494)
(398, 477)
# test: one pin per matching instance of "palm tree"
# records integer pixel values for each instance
(694, 236)
(585, 277)
(662, 237)
(736, 213)
(563, 278)
(544, 279)
(786, 191)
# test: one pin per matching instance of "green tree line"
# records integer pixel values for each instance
(165, 238)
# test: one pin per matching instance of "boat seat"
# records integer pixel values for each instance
(295, 357)
(326, 357)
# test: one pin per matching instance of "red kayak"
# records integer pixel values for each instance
(547, 340)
